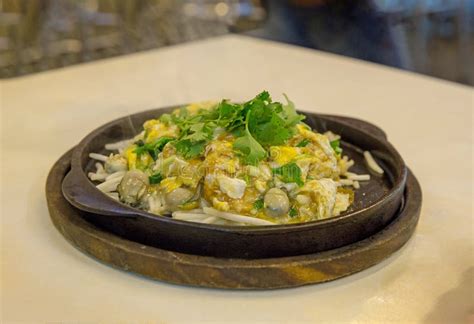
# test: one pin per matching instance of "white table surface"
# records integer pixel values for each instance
(430, 122)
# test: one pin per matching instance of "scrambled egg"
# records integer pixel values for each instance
(284, 154)
(219, 179)
(155, 129)
(135, 162)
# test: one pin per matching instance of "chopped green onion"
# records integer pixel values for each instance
(336, 146)
(293, 212)
(303, 143)
(258, 204)
(290, 172)
(155, 178)
(153, 148)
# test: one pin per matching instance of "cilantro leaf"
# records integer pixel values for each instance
(269, 122)
(188, 149)
(290, 172)
(200, 132)
(230, 116)
(157, 146)
(272, 132)
(264, 96)
(250, 149)
(266, 123)
(160, 143)
(195, 131)
(257, 124)
(155, 178)
(292, 117)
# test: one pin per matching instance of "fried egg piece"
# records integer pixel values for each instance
(323, 194)
(321, 140)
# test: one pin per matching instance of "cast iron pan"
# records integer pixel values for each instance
(376, 202)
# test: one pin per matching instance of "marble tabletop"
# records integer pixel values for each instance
(45, 279)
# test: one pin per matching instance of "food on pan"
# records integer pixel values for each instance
(255, 163)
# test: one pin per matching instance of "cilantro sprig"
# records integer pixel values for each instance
(257, 124)
(266, 123)
(250, 150)
(190, 149)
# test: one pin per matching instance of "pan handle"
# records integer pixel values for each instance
(78, 192)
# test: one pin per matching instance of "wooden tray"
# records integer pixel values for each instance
(194, 270)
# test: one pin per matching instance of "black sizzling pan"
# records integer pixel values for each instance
(375, 204)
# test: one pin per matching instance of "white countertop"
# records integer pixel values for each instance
(429, 121)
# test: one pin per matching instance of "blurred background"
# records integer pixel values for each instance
(433, 37)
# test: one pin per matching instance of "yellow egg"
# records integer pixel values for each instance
(231, 165)
(319, 139)
(302, 128)
(144, 161)
(190, 205)
(137, 162)
(170, 184)
(195, 107)
(131, 157)
(152, 135)
(220, 205)
(283, 154)
(155, 129)
(150, 123)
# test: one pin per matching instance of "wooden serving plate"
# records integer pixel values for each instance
(204, 271)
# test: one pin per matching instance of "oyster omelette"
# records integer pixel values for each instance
(255, 163)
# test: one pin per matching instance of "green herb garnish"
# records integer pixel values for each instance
(303, 143)
(290, 172)
(258, 204)
(153, 148)
(292, 117)
(197, 130)
(250, 150)
(257, 124)
(155, 178)
(336, 146)
(267, 123)
(165, 118)
(293, 212)
(189, 149)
